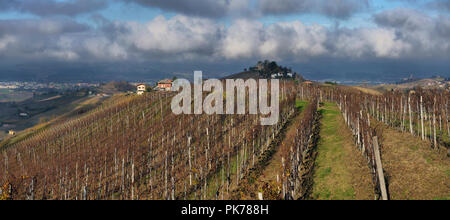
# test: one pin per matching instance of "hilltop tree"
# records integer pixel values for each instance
(267, 68)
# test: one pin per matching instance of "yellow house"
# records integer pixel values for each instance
(12, 133)
(141, 88)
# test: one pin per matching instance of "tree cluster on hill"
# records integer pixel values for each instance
(267, 68)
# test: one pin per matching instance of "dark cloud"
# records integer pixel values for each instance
(440, 5)
(7, 5)
(40, 27)
(403, 18)
(343, 8)
(285, 6)
(437, 5)
(332, 8)
(202, 8)
(397, 36)
(40, 39)
(53, 7)
(221, 8)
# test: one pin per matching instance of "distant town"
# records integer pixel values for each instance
(50, 85)
(19, 91)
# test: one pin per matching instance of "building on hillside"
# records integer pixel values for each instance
(165, 85)
(12, 133)
(308, 82)
(260, 66)
(141, 88)
(23, 115)
(103, 95)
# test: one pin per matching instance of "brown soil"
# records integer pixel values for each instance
(263, 178)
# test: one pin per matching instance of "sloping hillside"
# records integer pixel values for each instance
(245, 75)
(134, 147)
(423, 83)
(413, 169)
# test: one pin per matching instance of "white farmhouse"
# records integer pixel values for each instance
(141, 88)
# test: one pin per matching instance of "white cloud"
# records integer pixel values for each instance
(174, 37)
(5, 41)
(426, 36)
(384, 43)
(400, 34)
(102, 48)
(248, 39)
(242, 39)
(62, 55)
(297, 39)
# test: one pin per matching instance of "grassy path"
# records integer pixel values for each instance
(413, 169)
(341, 172)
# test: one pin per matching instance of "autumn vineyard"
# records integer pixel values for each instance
(135, 148)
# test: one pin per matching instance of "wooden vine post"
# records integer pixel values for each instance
(380, 173)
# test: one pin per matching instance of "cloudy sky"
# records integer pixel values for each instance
(133, 39)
